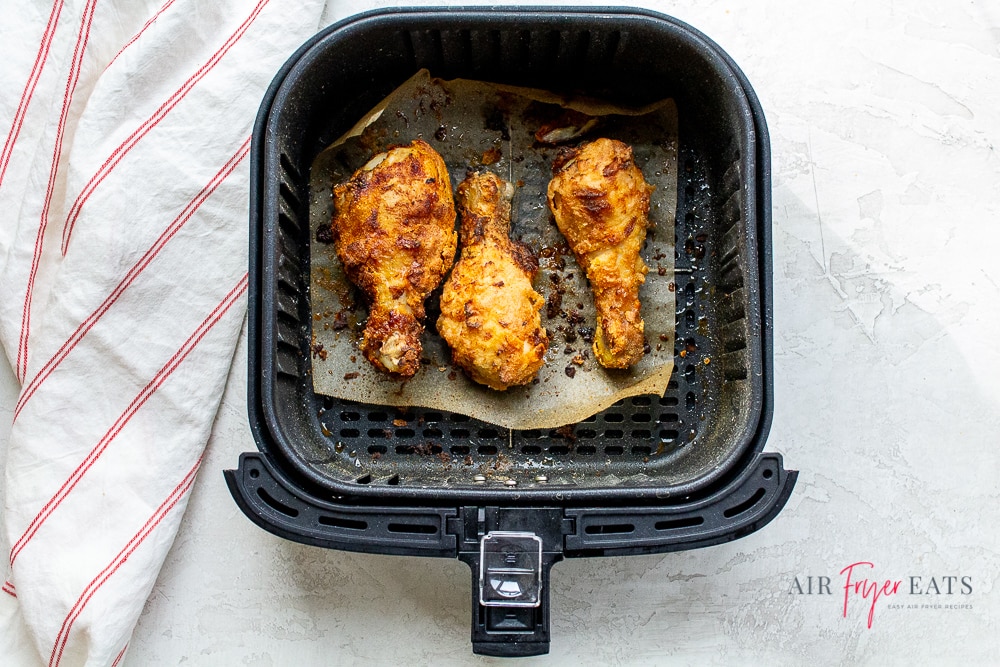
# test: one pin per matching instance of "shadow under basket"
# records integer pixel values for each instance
(650, 474)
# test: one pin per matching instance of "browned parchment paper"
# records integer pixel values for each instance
(480, 125)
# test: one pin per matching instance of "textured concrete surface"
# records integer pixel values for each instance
(883, 117)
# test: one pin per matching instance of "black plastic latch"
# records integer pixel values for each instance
(510, 569)
(511, 552)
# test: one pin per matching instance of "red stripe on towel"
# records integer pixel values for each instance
(151, 122)
(139, 34)
(123, 555)
(133, 407)
(83, 35)
(29, 87)
(121, 654)
(144, 261)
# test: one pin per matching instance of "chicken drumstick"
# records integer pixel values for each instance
(600, 201)
(489, 311)
(394, 229)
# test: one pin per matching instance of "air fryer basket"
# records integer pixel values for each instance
(649, 474)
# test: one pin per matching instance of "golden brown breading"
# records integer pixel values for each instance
(489, 311)
(394, 229)
(600, 201)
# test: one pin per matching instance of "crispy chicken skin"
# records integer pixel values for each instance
(600, 201)
(394, 229)
(489, 311)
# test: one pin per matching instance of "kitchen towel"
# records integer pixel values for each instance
(124, 129)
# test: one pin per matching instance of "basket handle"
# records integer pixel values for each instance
(511, 553)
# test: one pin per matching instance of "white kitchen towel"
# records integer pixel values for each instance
(125, 127)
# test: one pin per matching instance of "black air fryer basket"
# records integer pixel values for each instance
(650, 474)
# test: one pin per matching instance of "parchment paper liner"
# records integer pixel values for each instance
(477, 125)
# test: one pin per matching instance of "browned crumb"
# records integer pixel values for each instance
(491, 156)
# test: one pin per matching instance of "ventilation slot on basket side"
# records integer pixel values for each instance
(735, 343)
(288, 232)
(456, 46)
(412, 528)
(731, 306)
(735, 372)
(610, 529)
(544, 48)
(291, 219)
(485, 53)
(291, 201)
(677, 524)
(286, 336)
(287, 305)
(286, 370)
(733, 359)
(341, 522)
(424, 47)
(287, 272)
(289, 171)
(745, 505)
(276, 504)
(535, 52)
(288, 286)
(731, 279)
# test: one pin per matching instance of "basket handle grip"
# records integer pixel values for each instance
(511, 552)
(511, 631)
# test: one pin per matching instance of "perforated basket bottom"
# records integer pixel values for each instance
(632, 431)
